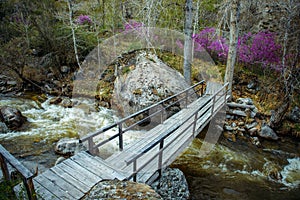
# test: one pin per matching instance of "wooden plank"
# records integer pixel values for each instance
(76, 168)
(43, 193)
(93, 167)
(52, 187)
(105, 166)
(64, 185)
(78, 175)
(70, 179)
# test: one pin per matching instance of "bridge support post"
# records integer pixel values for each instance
(120, 137)
(195, 124)
(91, 145)
(4, 168)
(186, 98)
(29, 188)
(134, 170)
(161, 146)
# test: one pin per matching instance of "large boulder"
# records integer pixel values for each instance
(69, 146)
(12, 117)
(267, 132)
(146, 82)
(172, 185)
(115, 189)
(10, 81)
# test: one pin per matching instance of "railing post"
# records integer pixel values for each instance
(195, 124)
(213, 106)
(186, 98)
(226, 91)
(4, 168)
(162, 114)
(161, 146)
(120, 137)
(29, 188)
(91, 145)
(134, 170)
(202, 89)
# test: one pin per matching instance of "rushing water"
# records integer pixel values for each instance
(242, 171)
(47, 124)
(231, 171)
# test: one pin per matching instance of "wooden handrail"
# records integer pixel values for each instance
(6, 157)
(121, 122)
(160, 139)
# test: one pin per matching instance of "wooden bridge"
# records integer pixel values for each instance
(171, 125)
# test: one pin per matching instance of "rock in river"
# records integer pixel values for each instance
(69, 146)
(12, 117)
(267, 132)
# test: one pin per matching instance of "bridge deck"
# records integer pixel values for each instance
(140, 160)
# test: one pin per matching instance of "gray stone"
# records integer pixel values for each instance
(228, 128)
(247, 101)
(148, 82)
(3, 128)
(11, 83)
(65, 69)
(69, 146)
(172, 185)
(252, 131)
(114, 189)
(239, 113)
(12, 117)
(255, 141)
(267, 132)
(250, 126)
(294, 115)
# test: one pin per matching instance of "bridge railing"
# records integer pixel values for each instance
(209, 108)
(183, 98)
(27, 176)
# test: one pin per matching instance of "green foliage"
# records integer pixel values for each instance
(6, 190)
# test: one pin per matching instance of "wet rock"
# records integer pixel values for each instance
(55, 100)
(69, 146)
(12, 117)
(122, 190)
(67, 103)
(267, 132)
(172, 185)
(3, 128)
(294, 115)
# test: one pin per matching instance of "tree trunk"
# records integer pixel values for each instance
(73, 32)
(188, 44)
(232, 52)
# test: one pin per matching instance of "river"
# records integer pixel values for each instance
(237, 170)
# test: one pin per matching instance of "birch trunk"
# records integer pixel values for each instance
(188, 44)
(232, 52)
